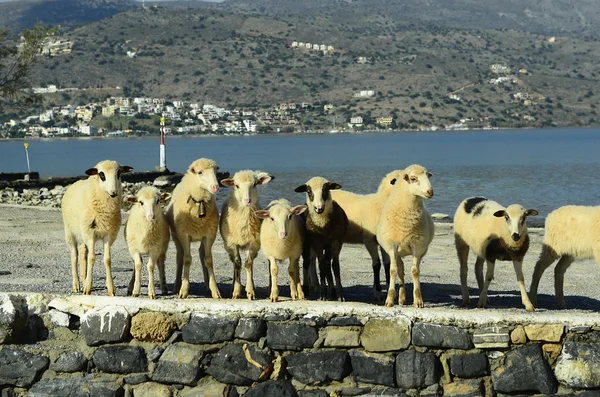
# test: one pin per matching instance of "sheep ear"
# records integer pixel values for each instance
(222, 175)
(192, 170)
(297, 210)
(165, 196)
(300, 189)
(91, 171)
(262, 214)
(531, 213)
(126, 169)
(393, 181)
(500, 213)
(263, 178)
(429, 175)
(228, 182)
(334, 186)
(406, 178)
(132, 199)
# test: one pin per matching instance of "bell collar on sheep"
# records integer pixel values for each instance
(201, 206)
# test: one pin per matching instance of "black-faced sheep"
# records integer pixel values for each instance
(493, 233)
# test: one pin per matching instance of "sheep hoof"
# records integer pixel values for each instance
(274, 298)
(466, 303)
(216, 295)
(482, 305)
(235, 296)
(152, 296)
(250, 296)
(418, 304)
(135, 295)
(529, 308)
(389, 302)
(183, 295)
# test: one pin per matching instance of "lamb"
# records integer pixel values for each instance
(193, 215)
(326, 225)
(91, 210)
(406, 228)
(239, 227)
(571, 233)
(493, 233)
(281, 238)
(147, 233)
(363, 213)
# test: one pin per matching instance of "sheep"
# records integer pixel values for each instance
(406, 228)
(326, 225)
(571, 233)
(239, 227)
(91, 210)
(493, 233)
(363, 213)
(193, 215)
(282, 237)
(147, 233)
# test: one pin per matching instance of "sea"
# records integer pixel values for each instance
(539, 169)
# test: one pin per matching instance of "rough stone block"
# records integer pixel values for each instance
(106, 325)
(381, 335)
(20, 368)
(58, 318)
(469, 365)
(272, 388)
(13, 319)
(207, 390)
(204, 329)
(579, 365)
(416, 370)
(545, 332)
(239, 364)
(120, 359)
(290, 336)
(76, 387)
(151, 389)
(464, 388)
(373, 367)
(136, 379)
(318, 367)
(491, 338)
(518, 335)
(180, 363)
(342, 337)
(69, 362)
(440, 336)
(313, 393)
(345, 321)
(524, 369)
(152, 327)
(250, 329)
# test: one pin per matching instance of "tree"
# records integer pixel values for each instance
(16, 64)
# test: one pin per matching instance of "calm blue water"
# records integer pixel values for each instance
(541, 169)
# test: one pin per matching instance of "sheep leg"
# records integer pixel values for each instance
(161, 274)
(462, 251)
(274, 287)
(376, 264)
(479, 272)
(313, 278)
(416, 274)
(335, 265)
(202, 254)
(179, 263)
(110, 286)
(518, 264)
(328, 255)
(385, 258)
(249, 265)
(83, 251)
(559, 279)
(187, 262)
(489, 276)
(91, 259)
(391, 294)
(234, 256)
(545, 260)
(73, 248)
(134, 290)
(324, 268)
(150, 265)
(296, 286)
(206, 245)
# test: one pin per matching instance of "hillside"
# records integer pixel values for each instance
(236, 58)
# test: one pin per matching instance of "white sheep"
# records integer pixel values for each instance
(493, 233)
(363, 212)
(91, 210)
(281, 238)
(326, 225)
(147, 233)
(239, 227)
(193, 215)
(406, 228)
(572, 232)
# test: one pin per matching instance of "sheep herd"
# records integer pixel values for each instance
(392, 220)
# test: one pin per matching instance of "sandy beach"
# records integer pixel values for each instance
(34, 257)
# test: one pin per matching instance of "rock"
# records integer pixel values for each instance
(464, 388)
(579, 365)
(438, 216)
(13, 319)
(345, 321)
(152, 327)
(440, 336)
(180, 363)
(381, 335)
(20, 368)
(552, 349)
(107, 325)
(545, 332)
(136, 379)
(469, 365)
(207, 390)
(373, 367)
(342, 337)
(272, 388)
(280, 315)
(491, 338)
(416, 370)
(120, 359)
(239, 364)
(151, 389)
(250, 329)
(518, 336)
(313, 393)
(155, 353)
(58, 318)
(76, 387)
(290, 336)
(431, 391)
(318, 367)
(69, 362)
(205, 329)
(524, 369)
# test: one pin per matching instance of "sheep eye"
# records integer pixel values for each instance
(237, 186)
(272, 219)
(413, 179)
(142, 203)
(102, 176)
(199, 172)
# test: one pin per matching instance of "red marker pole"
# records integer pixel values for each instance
(163, 153)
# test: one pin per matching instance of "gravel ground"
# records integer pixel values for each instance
(35, 258)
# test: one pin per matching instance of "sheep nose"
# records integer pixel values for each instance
(215, 188)
(112, 194)
(319, 210)
(150, 218)
(283, 235)
(430, 193)
(246, 201)
(516, 236)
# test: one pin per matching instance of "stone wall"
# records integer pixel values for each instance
(101, 346)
